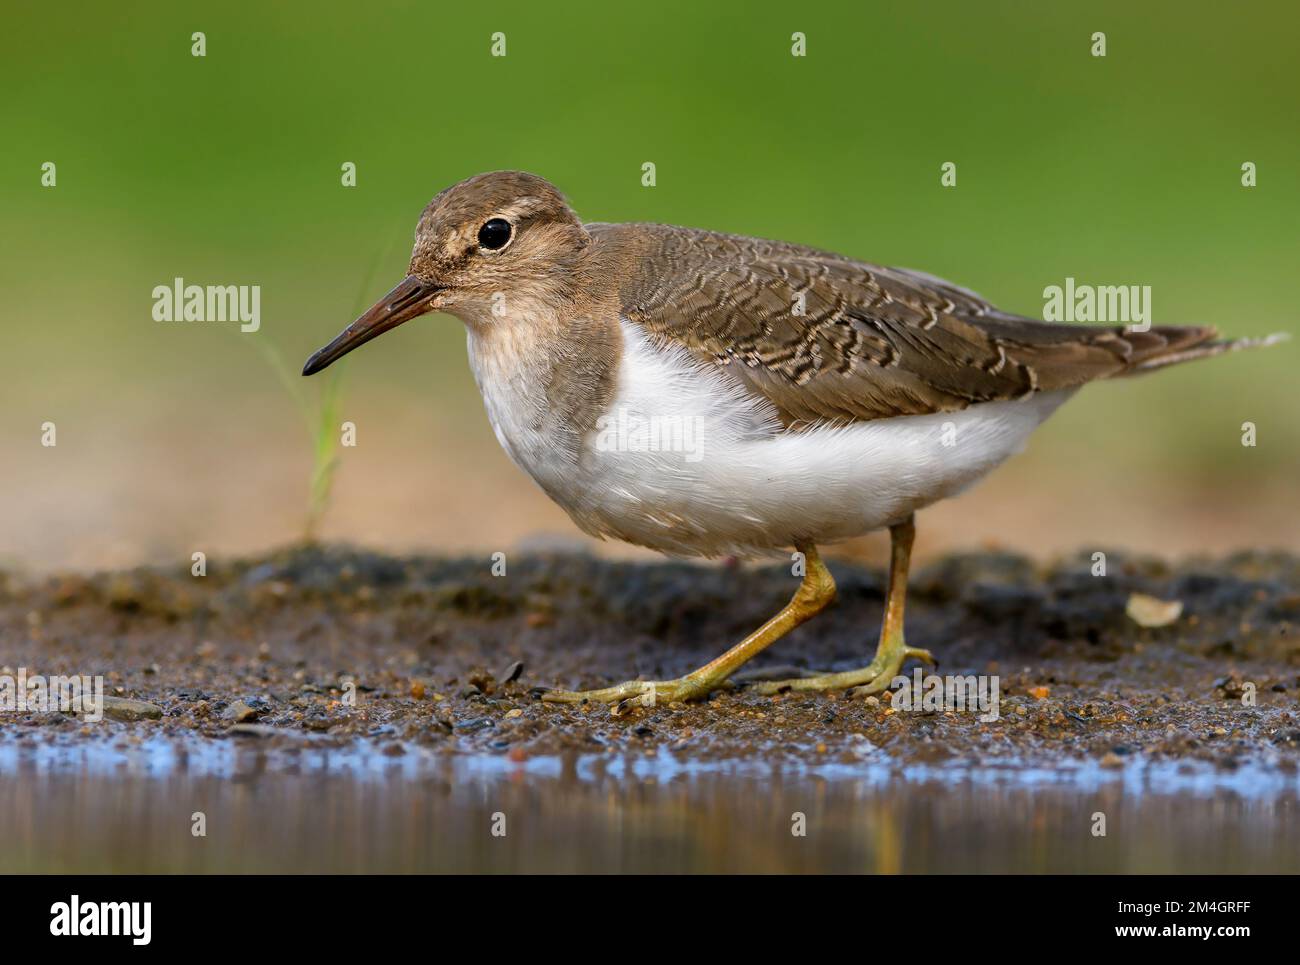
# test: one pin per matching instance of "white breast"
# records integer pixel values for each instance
(687, 462)
(513, 385)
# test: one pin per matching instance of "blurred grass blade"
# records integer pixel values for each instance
(321, 416)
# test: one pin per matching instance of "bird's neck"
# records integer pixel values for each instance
(547, 371)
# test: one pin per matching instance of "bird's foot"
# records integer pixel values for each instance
(635, 693)
(871, 679)
(816, 590)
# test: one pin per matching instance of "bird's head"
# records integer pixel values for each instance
(487, 249)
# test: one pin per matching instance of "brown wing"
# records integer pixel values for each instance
(825, 337)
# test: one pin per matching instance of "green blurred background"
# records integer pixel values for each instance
(226, 170)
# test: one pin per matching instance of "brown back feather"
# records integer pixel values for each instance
(871, 342)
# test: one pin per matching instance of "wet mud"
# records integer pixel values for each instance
(333, 709)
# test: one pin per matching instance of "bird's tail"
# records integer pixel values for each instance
(1170, 345)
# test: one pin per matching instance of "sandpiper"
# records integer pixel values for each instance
(825, 397)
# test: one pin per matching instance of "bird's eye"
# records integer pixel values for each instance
(495, 234)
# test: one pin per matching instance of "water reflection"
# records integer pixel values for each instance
(304, 806)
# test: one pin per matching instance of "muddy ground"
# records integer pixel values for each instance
(330, 710)
(446, 655)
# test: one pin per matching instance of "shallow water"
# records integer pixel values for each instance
(317, 806)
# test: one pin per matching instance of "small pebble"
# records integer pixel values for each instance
(240, 712)
(122, 708)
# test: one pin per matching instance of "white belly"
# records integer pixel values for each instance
(688, 463)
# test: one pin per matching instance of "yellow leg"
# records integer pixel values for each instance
(814, 593)
(892, 652)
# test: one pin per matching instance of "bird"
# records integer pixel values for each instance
(712, 395)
